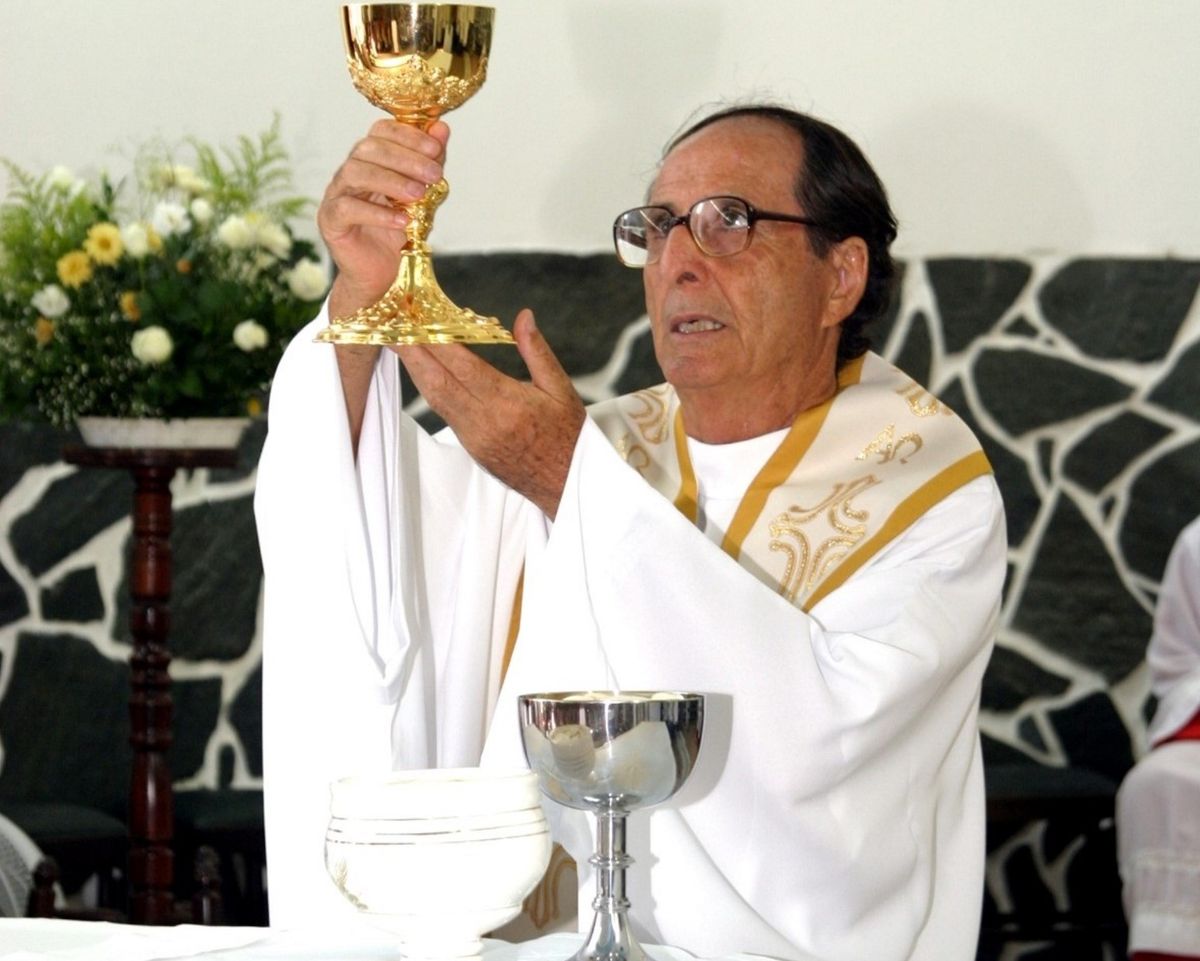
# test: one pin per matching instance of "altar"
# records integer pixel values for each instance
(54, 940)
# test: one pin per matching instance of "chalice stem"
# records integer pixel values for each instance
(610, 938)
(415, 309)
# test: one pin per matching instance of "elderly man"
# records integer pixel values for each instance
(789, 524)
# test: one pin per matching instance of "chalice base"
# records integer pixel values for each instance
(610, 940)
(415, 310)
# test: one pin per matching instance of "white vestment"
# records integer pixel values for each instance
(836, 811)
(1158, 806)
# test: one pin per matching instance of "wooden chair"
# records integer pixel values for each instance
(82, 841)
(229, 823)
(204, 907)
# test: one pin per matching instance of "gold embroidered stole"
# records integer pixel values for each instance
(849, 476)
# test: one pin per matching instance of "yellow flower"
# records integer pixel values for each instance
(254, 407)
(104, 244)
(154, 239)
(183, 265)
(43, 331)
(74, 269)
(129, 306)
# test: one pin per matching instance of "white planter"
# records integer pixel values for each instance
(195, 432)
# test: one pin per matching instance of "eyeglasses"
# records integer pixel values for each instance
(720, 226)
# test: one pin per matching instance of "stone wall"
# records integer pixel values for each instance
(1080, 376)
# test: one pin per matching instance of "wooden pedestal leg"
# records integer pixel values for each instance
(151, 799)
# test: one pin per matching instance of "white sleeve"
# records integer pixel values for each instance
(368, 622)
(838, 803)
(1174, 649)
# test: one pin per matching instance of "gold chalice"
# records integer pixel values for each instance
(416, 61)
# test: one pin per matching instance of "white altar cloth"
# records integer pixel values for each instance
(24, 939)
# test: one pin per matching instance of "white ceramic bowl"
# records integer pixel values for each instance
(438, 857)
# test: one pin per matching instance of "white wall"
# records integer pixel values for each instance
(1014, 127)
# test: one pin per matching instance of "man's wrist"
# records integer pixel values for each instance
(345, 299)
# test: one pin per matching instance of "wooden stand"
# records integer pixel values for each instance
(151, 798)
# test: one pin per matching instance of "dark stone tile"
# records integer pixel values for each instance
(431, 422)
(1093, 736)
(1177, 390)
(64, 721)
(74, 510)
(1030, 734)
(1062, 834)
(996, 752)
(226, 765)
(197, 705)
(13, 603)
(1121, 308)
(1020, 326)
(245, 715)
(916, 354)
(1075, 603)
(249, 451)
(27, 445)
(1025, 390)
(582, 303)
(1031, 897)
(641, 366)
(65, 724)
(1021, 499)
(1011, 679)
(1092, 882)
(973, 294)
(217, 577)
(74, 598)
(1100, 456)
(1162, 500)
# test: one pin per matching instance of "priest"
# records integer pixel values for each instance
(788, 524)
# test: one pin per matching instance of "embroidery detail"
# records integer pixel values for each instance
(652, 419)
(542, 905)
(635, 455)
(888, 447)
(804, 565)
(921, 402)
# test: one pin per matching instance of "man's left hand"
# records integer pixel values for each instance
(522, 433)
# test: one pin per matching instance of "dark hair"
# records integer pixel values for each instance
(837, 188)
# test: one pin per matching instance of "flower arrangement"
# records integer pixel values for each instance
(175, 303)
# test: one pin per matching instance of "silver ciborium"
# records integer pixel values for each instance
(609, 753)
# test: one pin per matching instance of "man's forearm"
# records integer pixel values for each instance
(355, 364)
(355, 361)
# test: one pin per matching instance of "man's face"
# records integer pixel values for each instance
(756, 328)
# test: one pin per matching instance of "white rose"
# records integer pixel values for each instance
(152, 345)
(250, 335)
(170, 218)
(235, 233)
(201, 211)
(136, 239)
(273, 238)
(307, 280)
(51, 301)
(61, 178)
(187, 179)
